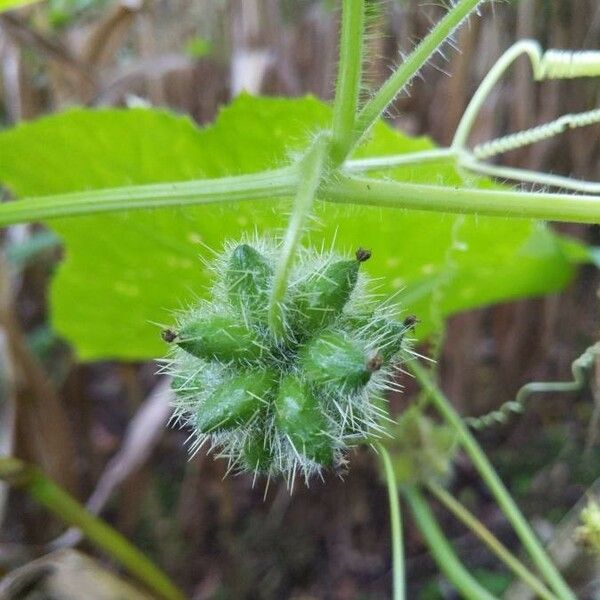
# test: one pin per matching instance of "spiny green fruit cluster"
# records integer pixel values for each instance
(289, 405)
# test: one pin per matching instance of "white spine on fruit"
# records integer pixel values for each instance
(350, 416)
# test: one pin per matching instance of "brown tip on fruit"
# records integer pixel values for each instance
(375, 362)
(362, 254)
(168, 335)
(410, 321)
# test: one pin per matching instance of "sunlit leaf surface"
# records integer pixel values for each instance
(10, 4)
(125, 273)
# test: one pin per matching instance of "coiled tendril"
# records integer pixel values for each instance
(580, 368)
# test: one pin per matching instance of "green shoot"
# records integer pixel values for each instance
(410, 67)
(489, 475)
(441, 549)
(347, 90)
(396, 524)
(485, 535)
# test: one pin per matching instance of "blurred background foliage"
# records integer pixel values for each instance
(99, 428)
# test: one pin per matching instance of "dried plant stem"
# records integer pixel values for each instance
(53, 497)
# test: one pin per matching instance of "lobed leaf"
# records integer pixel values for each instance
(124, 273)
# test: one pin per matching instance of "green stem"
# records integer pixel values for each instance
(465, 160)
(50, 495)
(391, 161)
(441, 549)
(396, 524)
(284, 182)
(529, 47)
(501, 494)
(411, 65)
(348, 80)
(492, 542)
(534, 205)
(537, 177)
(311, 169)
(256, 186)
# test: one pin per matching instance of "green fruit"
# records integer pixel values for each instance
(184, 385)
(247, 279)
(335, 360)
(299, 417)
(385, 334)
(357, 422)
(390, 338)
(257, 454)
(287, 404)
(221, 338)
(323, 296)
(235, 401)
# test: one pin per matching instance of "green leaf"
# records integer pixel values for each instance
(124, 273)
(10, 4)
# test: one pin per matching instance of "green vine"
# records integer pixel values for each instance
(441, 549)
(396, 524)
(489, 475)
(581, 368)
(348, 84)
(484, 534)
(411, 65)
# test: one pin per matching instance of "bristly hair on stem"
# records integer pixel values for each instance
(349, 77)
(312, 168)
(414, 62)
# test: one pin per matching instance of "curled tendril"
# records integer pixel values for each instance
(536, 134)
(580, 368)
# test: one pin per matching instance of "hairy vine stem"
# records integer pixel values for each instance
(265, 185)
(576, 208)
(348, 83)
(466, 160)
(272, 185)
(311, 170)
(410, 67)
(525, 175)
